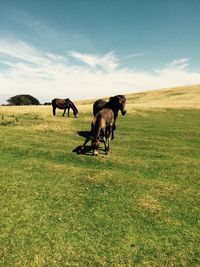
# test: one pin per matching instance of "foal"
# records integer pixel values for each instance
(101, 125)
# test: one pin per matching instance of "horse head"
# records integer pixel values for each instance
(73, 107)
(75, 113)
(120, 102)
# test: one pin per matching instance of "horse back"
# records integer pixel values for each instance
(102, 119)
(107, 115)
(60, 103)
(98, 105)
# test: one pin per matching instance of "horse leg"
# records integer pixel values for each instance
(68, 113)
(95, 145)
(108, 144)
(113, 129)
(104, 138)
(108, 139)
(54, 111)
(105, 141)
(64, 112)
(108, 136)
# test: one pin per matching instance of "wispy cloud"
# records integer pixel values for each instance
(26, 53)
(47, 75)
(180, 64)
(108, 62)
(134, 55)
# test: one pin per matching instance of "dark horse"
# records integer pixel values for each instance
(103, 123)
(64, 104)
(116, 103)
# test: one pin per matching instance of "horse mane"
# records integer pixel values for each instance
(75, 110)
(112, 105)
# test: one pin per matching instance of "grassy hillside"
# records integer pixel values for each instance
(138, 206)
(179, 97)
(187, 97)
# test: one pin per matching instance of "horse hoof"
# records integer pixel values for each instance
(95, 153)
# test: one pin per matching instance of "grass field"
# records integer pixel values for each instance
(138, 206)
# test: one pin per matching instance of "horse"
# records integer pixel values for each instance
(64, 104)
(116, 103)
(98, 105)
(103, 124)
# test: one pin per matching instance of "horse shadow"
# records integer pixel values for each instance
(84, 150)
(84, 134)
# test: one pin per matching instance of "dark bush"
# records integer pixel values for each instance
(20, 100)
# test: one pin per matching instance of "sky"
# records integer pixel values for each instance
(82, 49)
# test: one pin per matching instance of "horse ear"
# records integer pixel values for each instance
(119, 98)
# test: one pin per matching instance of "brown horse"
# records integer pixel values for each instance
(103, 124)
(115, 103)
(64, 104)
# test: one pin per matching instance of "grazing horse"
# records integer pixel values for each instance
(103, 124)
(64, 104)
(116, 103)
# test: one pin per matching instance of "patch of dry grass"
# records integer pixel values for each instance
(180, 97)
(187, 97)
(150, 203)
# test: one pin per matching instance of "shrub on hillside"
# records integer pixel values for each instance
(20, 100)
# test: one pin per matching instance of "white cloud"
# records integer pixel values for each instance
(108, 62)
(47, 75)
(134, 55)
(179, 64)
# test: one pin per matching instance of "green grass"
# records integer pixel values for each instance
(138, 206)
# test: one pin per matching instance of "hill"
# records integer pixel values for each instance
(179, 97)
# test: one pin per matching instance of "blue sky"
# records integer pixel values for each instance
(85, 49)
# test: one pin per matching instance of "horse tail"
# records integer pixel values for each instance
(96, 129)
(53, 102)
